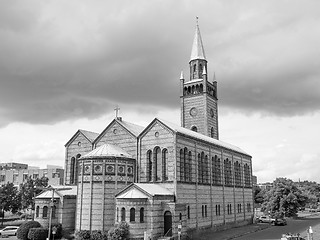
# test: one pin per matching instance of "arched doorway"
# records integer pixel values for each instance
(167, 224)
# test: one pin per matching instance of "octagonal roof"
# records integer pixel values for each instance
(107, 150)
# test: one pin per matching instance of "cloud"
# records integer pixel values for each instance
(67, 60)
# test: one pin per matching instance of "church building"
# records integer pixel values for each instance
(164, 180)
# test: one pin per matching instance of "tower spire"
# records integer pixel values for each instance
(197, 51)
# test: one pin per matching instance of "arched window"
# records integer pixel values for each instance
(181, 165)
(37, 211)
(45, 212)
(216, 170)
(188, 212)
(194, 128)
(190, 166)
(202, 212)
(201, 88)
(206, 169)
(247, 178)
(194, 68)
(237, 173)
(227, 172)
(197, 88)
(200, 69)
(199, 167)
(186, 163)
(193, 89)
(212, 132)
(189, 90)
(54, 208)
(157, 164)
(76, 167)
(132, 215)
(123, 214)
(165, 164)
(141, 214)
(72, 168)
(149, 165)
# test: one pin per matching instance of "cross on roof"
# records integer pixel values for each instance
(117, 110)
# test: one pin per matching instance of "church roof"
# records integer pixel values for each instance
(197, 51)
(90, 136)
(202, 137)
(133, 128)
(107, 150)
(59, 192)
(143, 190)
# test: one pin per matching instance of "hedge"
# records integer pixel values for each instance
(38, 233)
(22, 232)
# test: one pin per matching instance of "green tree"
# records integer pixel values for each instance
(283, 198)
(29, 190)
(8, 199)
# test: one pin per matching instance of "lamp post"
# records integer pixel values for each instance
(52, 205)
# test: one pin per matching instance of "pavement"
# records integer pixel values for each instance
(233, 233)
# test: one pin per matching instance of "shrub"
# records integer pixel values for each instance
(99, 235)
(82, 235)
(120, 232)
(22, 232)
(38, 233)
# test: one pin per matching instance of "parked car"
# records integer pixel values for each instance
(280, 221)
(266, 219)
(9, 231)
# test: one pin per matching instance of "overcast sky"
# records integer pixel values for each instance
(65, 65)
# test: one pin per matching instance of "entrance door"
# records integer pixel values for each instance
(167, 224)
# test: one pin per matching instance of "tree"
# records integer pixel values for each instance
(30, 189)
(284, 198)
(8, 199)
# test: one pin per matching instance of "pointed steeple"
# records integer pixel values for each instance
(197, 47)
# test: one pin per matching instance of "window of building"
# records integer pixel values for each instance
(45, 212)
(202, 210)
(227, 172)
(180, 216)
(190, 166)
(117, 213)
(237, 174)
(165, 164)
(194, 128)
(247, 176)
(149, 165)
(132, 215)
(216, 170)
(37, 211)
(157, 163)
(15, 178)
(54, 208)
(25, 176)
(206, 177)
(72, 173)
(205, 211)
(141, 214)
(123, 214)
(188, 212)
(212, 132)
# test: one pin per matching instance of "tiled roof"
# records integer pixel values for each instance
(107, 150)
(134, 128)
(202, 137)
(90, 135)
(59, 192)
(143, 190)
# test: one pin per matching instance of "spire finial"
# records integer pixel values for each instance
(181, 76)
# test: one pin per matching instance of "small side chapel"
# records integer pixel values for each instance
(164, 180)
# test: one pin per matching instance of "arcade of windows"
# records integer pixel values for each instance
(45, 213)
(157, 165)
(232, 175)
(132, 216)
(197, 89)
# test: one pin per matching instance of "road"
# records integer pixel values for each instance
(275, 232)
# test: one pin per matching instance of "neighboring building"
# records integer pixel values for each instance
(163, 176)
(254, 180)
(63, 211)
(13, 166)
(18, 175)
(265, 186)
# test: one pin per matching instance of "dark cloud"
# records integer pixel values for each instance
(63, 60)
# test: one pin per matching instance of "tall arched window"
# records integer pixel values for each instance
(37, 211)
(216, 170)
(199, 167)
(188, 212)
(149, 165)
(190, 166)
(72, 168)
(45, 212)
(185, 162)
(237, 173)
(212, 132)
(165, 164)
(157, 163)
(123, 214)
(247, 178)
(141, 214)
(227, 172)
(206, 169)
(54, 208)
(132, 215)
(181, 165)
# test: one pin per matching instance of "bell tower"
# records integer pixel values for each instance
(199, 102)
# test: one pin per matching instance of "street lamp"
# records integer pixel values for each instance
(52, 205)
